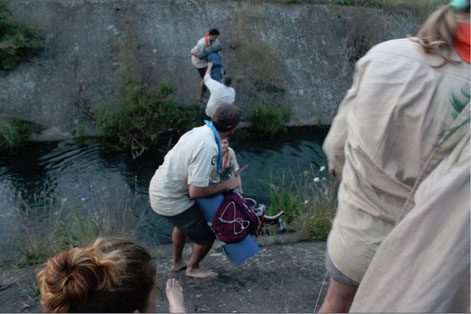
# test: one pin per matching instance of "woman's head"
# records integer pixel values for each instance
(437, 33)
(106, 276)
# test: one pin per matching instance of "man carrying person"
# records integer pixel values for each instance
(221, 92)
(208, 40)
(183, 177)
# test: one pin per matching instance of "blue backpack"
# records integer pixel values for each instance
(217, 71)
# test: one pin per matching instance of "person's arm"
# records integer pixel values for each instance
(194, 51)
(335, 141)
(214, 189)
(208, 70)
(210, 83)
(233, 160)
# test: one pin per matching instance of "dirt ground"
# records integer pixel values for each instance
(283, 277)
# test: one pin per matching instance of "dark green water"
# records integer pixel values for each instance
(84, 174)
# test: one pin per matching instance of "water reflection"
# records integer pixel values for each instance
(82, 175)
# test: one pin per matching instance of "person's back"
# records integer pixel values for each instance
(220, 93)
(382, 141)
(168, 189)
(430, 243)
(392, 128)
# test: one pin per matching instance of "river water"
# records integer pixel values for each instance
(87, 175)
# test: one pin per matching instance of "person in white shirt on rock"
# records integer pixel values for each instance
(221, 92)
(183, 177)
(201, 65)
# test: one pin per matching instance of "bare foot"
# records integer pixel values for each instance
(174, 294)
(179, 266)
(200, 273)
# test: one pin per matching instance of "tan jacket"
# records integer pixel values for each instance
(381, 140)
(423, 265)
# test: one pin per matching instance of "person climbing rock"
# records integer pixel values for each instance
(198, 56)
(220, 92)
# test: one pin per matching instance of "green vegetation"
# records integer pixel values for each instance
(145, 117)
(259, 57)
(146, 114)
(309, 203)
(14, 133)
(51, 225)
(261, 61)
(17, 43)
(268, 120)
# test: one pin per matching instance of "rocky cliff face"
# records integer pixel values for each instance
(300, 56)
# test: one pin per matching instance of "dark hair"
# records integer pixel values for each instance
(226, 117)
(106, 276)
(227, 80)
(213, 31)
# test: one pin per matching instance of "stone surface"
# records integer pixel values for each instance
(287, 277)
(86, 43)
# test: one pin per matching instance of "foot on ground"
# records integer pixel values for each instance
(174, 294)
(200, 273)
(179, 266)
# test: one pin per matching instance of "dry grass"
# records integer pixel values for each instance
(51, 225)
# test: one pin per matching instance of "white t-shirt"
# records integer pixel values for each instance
(220, 94)
(200, 45)
(190, 161)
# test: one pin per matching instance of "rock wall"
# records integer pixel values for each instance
(87, 44)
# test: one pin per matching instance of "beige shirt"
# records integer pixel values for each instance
(200, 45)
(190, 161)
(380, 141)
(231, 164)
(424, 263)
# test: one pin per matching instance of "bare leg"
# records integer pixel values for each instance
(202, 90)
(178, 240)
(339, 298)
(174, 294)
(199, 252)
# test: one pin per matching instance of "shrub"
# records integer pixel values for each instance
(309, 202)
(283, 198)
(14, 133)
(268, 120)
(145, 117)
(17, 43)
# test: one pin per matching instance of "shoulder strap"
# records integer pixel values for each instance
(218, 141)
(226, 161)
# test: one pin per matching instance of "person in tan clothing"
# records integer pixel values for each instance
(381, 143)
(423, 265)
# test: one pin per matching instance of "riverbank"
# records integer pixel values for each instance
(284, 277)
(304, 63)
